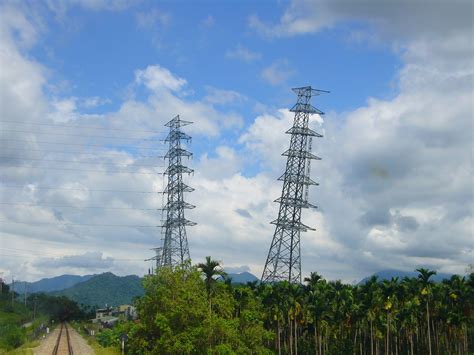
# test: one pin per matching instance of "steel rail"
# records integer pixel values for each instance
(56, 347)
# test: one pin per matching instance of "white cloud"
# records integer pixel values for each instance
(406, 19)
(83, 174)
(399, 171)
(396, 172)
(278, 72)
(242, 53)
(157, 78)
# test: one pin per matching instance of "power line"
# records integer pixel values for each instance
(83, 170)
(79, 126)
(75, 135)
(79, 207)
(81, 152)
(80, 145)
(83, 224)
(75, 162)
(73, 189)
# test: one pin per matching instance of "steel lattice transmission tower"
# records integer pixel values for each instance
(284, 259)
(175, 250)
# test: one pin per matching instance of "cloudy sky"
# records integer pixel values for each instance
(86, 86)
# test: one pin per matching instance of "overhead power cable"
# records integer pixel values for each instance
(80, 126)
(83, 170)
(78, 207)
(77, 135)
(108, 145)
(81, 224)
(77, 162)
(74, 189)
(81, 152)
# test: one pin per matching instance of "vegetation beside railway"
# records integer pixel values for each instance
(21, 323)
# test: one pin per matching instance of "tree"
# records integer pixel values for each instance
(210, 269)
(424, 276)
(175, 318)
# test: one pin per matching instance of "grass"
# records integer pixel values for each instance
(98, 349)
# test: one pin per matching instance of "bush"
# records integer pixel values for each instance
(12, 337)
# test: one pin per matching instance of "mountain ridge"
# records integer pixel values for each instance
(390, 273)
(104, 289)
(51, 284)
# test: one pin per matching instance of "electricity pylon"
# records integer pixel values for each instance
(284, 259)
(175, 249)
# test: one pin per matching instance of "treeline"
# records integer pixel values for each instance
(186, 310)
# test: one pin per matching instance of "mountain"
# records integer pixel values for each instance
(242, 277)
(388, 274)
(103, 289)
(50, 284)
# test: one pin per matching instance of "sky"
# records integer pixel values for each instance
(86, 87)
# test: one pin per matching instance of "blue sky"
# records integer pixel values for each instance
(99, 51)
(396, 175)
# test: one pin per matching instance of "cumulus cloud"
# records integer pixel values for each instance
(395, 179)
(157, 78)
(58, 180)
(398, 170)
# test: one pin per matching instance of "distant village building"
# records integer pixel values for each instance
(128, 311)
(108, 317)
(103, 312)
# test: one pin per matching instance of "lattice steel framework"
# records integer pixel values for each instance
(175, 250)
(284, 259)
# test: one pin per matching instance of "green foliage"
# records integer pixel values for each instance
(184, 311)
(12, 337)
(58, 308)
(176, 317)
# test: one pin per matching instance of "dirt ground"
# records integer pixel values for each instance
(78, 343)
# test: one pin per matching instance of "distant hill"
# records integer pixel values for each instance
(50, 284)
(388, 274)
(242, 277)
(103, 289)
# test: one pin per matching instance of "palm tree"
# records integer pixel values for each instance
(424, 276)
(210, 269)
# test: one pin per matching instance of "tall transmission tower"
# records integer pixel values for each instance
(175, 250)
(284, 259)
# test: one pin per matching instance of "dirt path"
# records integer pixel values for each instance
(78, 343)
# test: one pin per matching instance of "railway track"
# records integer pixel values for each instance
(63, 343)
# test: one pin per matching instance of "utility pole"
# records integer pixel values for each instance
(284, 259)
(34, 308)
(174, 250)
(13, 290)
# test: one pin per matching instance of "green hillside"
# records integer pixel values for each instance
(104, 289)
